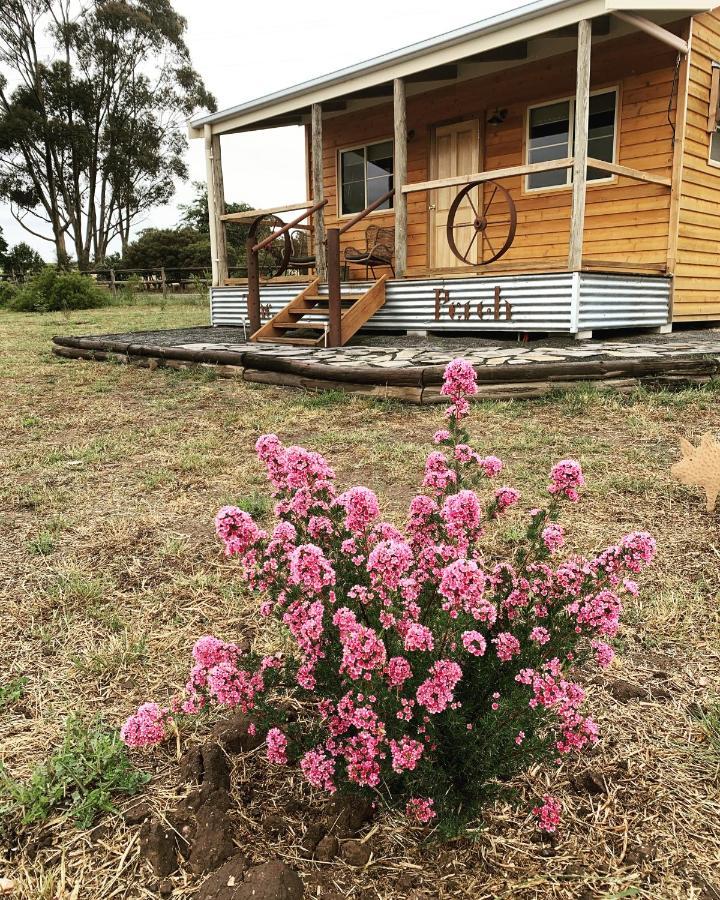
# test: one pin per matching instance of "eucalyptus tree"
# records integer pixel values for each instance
(94, 95)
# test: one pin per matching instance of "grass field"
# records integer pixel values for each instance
(110, 478)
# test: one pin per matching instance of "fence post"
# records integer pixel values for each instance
(163, 282)
(253, 295)
(113, 286)
(334, 287)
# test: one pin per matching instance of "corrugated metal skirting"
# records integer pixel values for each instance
(554, 303)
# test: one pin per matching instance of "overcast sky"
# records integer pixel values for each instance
(246, 49)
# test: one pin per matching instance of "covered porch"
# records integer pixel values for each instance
(573, 231)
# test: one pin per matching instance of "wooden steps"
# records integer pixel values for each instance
(302, 314)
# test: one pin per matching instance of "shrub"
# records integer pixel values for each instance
(431, 667)
(7, 292)
(80, 778)
(52, 291)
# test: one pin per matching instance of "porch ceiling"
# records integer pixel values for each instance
(537, 30)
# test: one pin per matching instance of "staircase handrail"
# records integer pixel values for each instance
(281, 231)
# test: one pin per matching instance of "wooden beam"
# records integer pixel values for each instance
(627, 172)
(515, 50)
(489, 175)
(216, 206)
(600, 25)
(400, 169)
(250, 214)
(582, 115)
(377, 90)
(318, 190)
(653, 29)
(447, 72)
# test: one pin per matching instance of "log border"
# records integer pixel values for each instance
(413, 384)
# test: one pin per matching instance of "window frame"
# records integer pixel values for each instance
(570, 99)
(714, 117)
(339, 183)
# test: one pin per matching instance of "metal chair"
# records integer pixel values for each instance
(379, 249)
(301, 257)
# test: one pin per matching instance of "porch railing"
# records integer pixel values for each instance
(332, 239)
(253, 265)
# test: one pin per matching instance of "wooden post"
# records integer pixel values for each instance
(163, 282)
(334, 288)
(318, 191)
(253, 296)
(216, 206)
(400, 176)
(678, 157)
(113, 286)
(582, 111)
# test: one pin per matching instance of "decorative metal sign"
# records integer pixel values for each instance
(700, 466)
(465, 311)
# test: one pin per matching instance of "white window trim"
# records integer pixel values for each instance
(714, 163)
(339, 181)
(615, 89)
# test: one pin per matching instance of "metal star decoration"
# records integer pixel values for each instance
(700, 466)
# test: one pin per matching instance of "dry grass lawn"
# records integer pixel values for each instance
(110, 477)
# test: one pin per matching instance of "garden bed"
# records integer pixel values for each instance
(111, 571)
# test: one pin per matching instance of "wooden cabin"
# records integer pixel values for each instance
(552, 169)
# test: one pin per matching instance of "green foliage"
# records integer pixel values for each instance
(169, 247)
(22, 261)
(79, 778)
(98, 104)
(195, 215)
(53, 291)
(7, 293)
(12, 691)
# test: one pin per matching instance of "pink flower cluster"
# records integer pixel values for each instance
(548, 814)
(146, 727)
(408, 647)
(420, 809)
(566, 477)
(276, 747)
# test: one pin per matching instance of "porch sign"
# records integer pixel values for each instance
(499, 310)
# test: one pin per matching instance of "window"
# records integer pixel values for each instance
(366, 173)
(714, 114)
(550, 136)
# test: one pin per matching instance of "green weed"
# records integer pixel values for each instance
(12, 691)
(79, 779)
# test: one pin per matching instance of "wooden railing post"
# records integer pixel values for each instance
(582, 111)
(253, 278)
(334, 287)
(400, 166)
(318, 190)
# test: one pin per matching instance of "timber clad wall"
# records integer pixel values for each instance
(697, 271)
(626, 221)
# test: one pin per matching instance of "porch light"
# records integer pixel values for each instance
(498, 117)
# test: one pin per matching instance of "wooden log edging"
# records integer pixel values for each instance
(414, 384)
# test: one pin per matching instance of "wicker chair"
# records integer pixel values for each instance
(300, 256)
(379, 249)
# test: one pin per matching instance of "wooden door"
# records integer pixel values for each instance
(456, 151)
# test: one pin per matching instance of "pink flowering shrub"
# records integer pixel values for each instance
(428, 667)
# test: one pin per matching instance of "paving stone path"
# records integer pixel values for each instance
(397, 357)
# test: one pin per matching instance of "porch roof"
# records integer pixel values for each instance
(429, 56)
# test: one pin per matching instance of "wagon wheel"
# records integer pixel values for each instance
(272, 260)
(498, 214)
